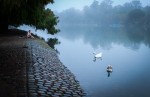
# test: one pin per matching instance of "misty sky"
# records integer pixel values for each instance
(61, 5)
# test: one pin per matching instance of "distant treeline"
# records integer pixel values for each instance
(104, 14)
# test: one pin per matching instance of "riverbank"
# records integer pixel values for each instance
(30, 68)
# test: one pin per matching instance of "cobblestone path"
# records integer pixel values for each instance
(12, 67)
(30, 69)
(48, 77)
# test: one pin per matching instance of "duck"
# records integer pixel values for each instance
(109, 68)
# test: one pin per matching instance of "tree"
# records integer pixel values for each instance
(147, 17)
(29, 12)
(136, 17)
(136, 4)
(106, 10)
(52, 42)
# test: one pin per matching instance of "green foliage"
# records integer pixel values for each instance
(52, 42)
(29, 12)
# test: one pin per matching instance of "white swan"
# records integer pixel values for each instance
(98, 55)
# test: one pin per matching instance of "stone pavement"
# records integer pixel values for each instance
(48, 77)
(12, 67)
(29, 68)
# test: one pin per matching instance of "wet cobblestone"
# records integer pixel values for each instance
(28, 69)
(48, 77)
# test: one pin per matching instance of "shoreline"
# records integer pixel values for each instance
(44, 74)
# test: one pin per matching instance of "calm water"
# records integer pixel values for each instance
(127, 52)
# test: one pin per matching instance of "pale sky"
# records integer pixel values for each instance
(61, 5)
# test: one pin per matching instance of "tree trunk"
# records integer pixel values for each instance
(3, 28)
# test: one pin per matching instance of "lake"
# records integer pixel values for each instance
(127, 51)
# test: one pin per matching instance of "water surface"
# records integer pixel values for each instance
(126, 50)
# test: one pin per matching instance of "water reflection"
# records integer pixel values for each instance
(130, 37)
(52, 42)
(126, 49)
(108, 73)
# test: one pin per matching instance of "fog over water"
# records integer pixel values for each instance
(124, 41)
(62, 5)
(128, 55)
(121, 33)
